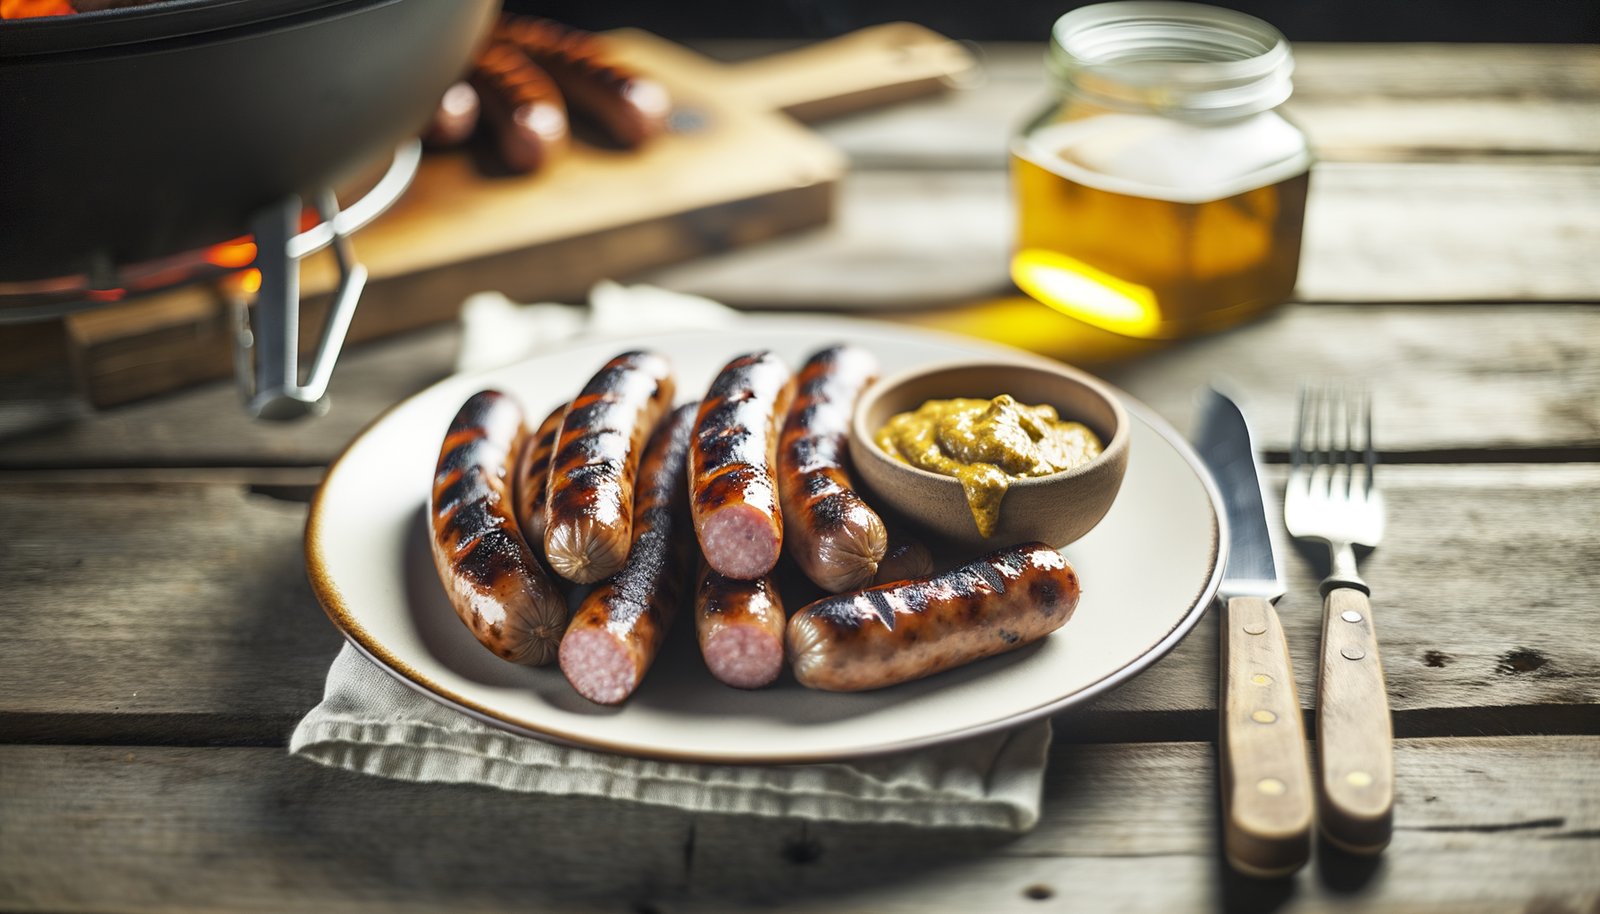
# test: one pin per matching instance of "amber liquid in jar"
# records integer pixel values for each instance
(1149, 267)
(1161, 193)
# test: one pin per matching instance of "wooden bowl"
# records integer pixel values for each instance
(1055, 509)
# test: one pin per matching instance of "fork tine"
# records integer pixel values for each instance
(1297, 452)
(1371, 455)
(1347, 408)
(1324, 432)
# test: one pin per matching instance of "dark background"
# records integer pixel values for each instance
(1029, 20)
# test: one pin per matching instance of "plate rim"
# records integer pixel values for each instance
(334, 605)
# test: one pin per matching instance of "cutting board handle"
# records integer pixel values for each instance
(868, 67)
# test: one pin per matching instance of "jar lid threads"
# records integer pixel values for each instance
(1182, 60)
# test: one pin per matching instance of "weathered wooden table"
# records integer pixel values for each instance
(158, 638)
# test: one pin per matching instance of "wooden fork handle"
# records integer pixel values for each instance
(1266, 784)
(1355, 738)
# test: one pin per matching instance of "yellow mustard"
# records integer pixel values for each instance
(985, 444)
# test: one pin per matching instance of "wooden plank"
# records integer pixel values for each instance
(190, 604)
(1446, 381)
(25, 347)
(1436, 370)
(1457, 232)
(193, 595)
(46, 425)
(901, 239)
(1438, 70)
(1388, 102)
(1451, 667)
(1482, 825)
(1375, 232)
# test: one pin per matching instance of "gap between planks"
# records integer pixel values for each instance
(1481, 824)
(229, 645)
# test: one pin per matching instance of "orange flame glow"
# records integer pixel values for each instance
(27, 9)
(240, 252)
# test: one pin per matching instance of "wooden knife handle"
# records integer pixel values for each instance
(1266, 784)
(1355, 739)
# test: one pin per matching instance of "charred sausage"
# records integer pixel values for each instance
(899, 632)
(619, 628)
(740, 628)
(589, 501)
(529, 483)
(629, 107)
(455, 118)
(491, 576)
(732, 466)
(835, 538)
(523, 106)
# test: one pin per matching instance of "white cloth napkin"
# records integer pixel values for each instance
(371, 723)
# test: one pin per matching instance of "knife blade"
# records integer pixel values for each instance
(1265, 778)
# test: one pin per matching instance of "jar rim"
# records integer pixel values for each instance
(1185, 60)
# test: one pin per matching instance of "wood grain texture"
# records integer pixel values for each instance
(1436, 370)
(221, 630)
(1355, 756)
(45, 425)
(1454, 534)
(1267, 795)
(1456, 232)
(1375, 232)
(1483, 825)
(1390, 102)
(191, 615)
(1382, 225)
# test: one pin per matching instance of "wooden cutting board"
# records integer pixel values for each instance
(737, 167)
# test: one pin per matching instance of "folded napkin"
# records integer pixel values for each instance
(371, 723)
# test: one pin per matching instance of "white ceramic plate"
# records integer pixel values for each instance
(1148, 570)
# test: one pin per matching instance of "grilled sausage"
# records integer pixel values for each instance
(835, 538)
(740, 627)
(615, 635)
(905, 558)
(523, 106)
(491, 576)
(629, 107)
(589, 500)
(529, 483)
(899, 632)
(455, 118)
(731, 466)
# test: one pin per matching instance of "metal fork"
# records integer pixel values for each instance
(1333, 498)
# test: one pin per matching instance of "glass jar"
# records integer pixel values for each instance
(1161, 194)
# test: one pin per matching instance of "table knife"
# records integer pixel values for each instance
(1267, 798)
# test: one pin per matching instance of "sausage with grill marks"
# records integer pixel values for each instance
(522, 105)
(740, 628)
(899, 632)
(617, 631)
(835, 538)
(732, 466)
(529, 485)
(630, 107)
(589, 500)
(492, 578)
